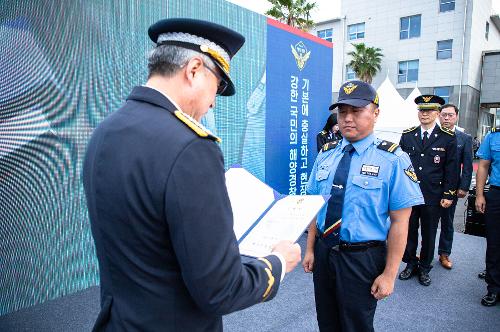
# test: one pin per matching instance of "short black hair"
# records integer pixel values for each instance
(449, 105)
(330, 122)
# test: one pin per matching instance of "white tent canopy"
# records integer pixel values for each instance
(396, 113)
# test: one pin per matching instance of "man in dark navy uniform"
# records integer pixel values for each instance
(158, 205)
(448, 116)
(329, 133)
(433, 153)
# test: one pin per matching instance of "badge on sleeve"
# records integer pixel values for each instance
(437, 159)
(370, 170)
(410, 172)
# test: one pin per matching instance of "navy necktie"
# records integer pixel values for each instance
(424, 140)
(331, 233)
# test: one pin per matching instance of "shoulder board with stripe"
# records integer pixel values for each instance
(495, 130)
(195, 126)
(449, 132)
(387, 146)
(409, 130)
(330, 145)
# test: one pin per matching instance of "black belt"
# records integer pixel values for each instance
(360, 246)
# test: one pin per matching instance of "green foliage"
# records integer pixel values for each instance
(365, 61)
(295, 13)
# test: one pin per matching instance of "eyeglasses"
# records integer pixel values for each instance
(223, 83)
(447, 115)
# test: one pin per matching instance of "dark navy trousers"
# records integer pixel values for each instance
(492, 221)
(446, 236)
(427, 217)
(342, 287)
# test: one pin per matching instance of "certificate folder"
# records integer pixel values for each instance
(263, 217)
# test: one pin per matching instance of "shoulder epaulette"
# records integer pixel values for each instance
(195, 126)
(323, 132)
(387, 146)
(495, 130)
(330, 145)
(446, 130)
(409, 130)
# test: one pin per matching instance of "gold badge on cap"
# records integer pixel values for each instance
(349, 88)
(427, 99)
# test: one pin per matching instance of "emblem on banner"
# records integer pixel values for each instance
(301, 54)
(349, 88)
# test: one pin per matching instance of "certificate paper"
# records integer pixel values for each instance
(263, 217)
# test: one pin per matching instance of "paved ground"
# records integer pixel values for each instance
(460, 212)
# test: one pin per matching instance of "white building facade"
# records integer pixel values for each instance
(436, 45)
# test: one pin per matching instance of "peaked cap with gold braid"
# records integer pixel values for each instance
(213, 40)
(429, 102)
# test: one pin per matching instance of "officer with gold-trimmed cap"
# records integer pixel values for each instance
(433, 153)
(158, 204)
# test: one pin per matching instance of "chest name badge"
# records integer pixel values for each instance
(370, 170)
(439, 149)
(437, 159)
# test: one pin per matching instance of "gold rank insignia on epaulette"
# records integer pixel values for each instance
(387, 146)
(330, 145)
(495, 130)
(195, 126)
(270, 277)
(323, 132)
(409, 130)
(446, 130)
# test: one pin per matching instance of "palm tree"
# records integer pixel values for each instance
(294, 13)
(365, 61)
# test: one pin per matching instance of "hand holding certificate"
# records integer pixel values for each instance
(263, 217)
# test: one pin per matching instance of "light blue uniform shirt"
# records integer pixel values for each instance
(490, 150)
(378, 182)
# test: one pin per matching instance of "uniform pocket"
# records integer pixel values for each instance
(366, 190)
(366, 182)
(322, 174)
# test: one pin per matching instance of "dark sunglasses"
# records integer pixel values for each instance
(223, 83)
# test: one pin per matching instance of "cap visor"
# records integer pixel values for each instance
(352, 102)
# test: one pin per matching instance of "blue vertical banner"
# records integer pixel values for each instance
(299, 91)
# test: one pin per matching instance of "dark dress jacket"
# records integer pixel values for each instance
(324, 137)
(435, 164)
(162, 224)
(464, 149)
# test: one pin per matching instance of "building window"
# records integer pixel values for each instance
(350, 74)
(356, 31)
(487, 31)
(409, 27)
(446, 5)
(443, 92)
(444, 49)
(325, 34)
(408, 71)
